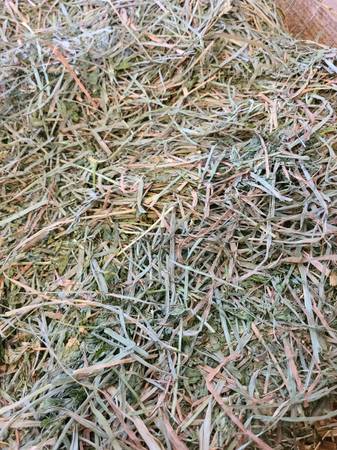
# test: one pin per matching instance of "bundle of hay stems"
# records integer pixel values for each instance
(168, 220)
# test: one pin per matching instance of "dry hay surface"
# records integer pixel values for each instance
(168, 228)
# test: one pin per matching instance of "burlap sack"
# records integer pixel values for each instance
(315, 20)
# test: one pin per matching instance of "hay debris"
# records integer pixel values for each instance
(168, 228)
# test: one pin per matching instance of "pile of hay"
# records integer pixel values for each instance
(168, 228)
